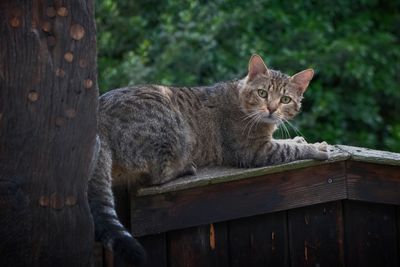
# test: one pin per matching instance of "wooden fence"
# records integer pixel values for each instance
(342, 212)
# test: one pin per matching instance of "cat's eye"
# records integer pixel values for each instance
(285, 99)
(262, 93)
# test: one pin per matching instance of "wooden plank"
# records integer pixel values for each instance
(16, 222)
(398, 233)
(108, 259)
(373, 182)
(202, 246)
(156, 249)
(98, 256)
(259, 241)
(316, 235)
(371, 156)
(370, 234)
(215, 175)
(237, 199)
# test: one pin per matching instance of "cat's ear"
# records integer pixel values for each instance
(302, 79)
(256, 67)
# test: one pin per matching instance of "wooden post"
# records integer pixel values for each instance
(48, 104)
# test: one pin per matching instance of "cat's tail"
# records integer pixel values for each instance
(108, 229)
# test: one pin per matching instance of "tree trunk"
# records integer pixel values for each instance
(48, 105)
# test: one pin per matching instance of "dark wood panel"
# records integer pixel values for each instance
(248, 197)
(259, 241)
(202, 246)
(156, 249)
(122, 207)
(373, 182)
(316, 235)
(370, 234)
(122, 204)
(398, 234)
(98, 255)
(48, 106)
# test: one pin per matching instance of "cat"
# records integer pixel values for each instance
(152, 134)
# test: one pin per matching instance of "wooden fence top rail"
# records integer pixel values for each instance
(216, 175)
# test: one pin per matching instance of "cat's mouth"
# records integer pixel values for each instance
(270, 118)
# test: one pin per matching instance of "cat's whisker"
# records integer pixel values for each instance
(295, 129)
(250, 115)
(250, 118)
(249, 123)
(288, 136)
(282, 127)
(253, 121)
(259, 119)
(287, 130)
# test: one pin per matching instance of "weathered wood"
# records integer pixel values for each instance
(316, 232)
(226, 201)
(16, 222)
(48, 105)
(316, 235)
(398, 232)
(371, 155)
(98, 255)
(108, 258)
(215, 175)
(202, 246)
(156, 249)
(259, 241)
(371, 236)
(373, 182)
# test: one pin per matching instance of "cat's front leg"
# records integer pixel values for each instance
(296, 139)
(299, 140)
(279, 151)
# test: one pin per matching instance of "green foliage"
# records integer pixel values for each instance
(354, 46)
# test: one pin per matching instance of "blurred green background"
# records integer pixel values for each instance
(354, 46)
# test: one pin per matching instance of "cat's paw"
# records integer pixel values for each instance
(323, 146)
(191, 169)
(322, 151)
(322, 155)
(300, 140)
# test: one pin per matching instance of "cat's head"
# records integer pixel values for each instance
(271, 96)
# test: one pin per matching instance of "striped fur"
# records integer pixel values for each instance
(152, 134)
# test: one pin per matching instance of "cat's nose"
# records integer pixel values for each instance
(272, 109)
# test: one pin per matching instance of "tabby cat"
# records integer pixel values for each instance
(152, 134)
